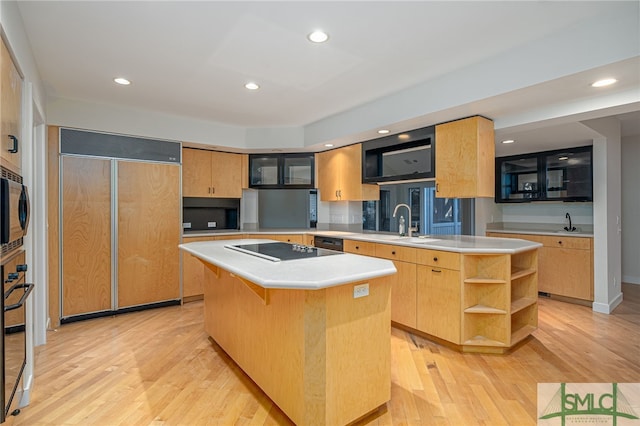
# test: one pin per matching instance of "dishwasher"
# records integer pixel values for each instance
(330, 243)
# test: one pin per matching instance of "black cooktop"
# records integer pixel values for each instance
(277, 252)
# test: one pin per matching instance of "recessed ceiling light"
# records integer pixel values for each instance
(122, 81)
(604, 82)
(328, 145)
(318, 36)
(563, 158)
(252, 86)
(383, 131)
(508, 141)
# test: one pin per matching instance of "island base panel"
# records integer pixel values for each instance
(322, 356)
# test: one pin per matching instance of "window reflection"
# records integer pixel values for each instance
(429, 215)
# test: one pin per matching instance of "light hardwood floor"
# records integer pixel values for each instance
(158, 368)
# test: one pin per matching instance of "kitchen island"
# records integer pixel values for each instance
(313, 333)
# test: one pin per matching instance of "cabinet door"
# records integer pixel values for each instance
(10, 111)
(328, 175)
(465, 156)
(439, 303)
(196, 173)
(226, 175)
(86, 236)
(148, 233)
(566, 272)
(192, 271)
(351, 186)
(403, 294)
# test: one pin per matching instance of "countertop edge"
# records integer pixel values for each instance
(385, 268)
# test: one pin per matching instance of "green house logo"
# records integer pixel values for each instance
(588, 404)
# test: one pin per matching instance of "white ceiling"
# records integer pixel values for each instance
(193, 58)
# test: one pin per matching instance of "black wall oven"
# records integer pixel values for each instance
(14, 210)
(13, 320)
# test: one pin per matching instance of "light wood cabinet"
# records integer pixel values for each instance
(499, 300)
(193, 269)
(360, 247)
(565, 264)
(478, 302)
(340, 176)
(465, 156)
(10, 112)
(212, 174)
(438, 300)
(439, 294)
(133, 228)
(403, 283)
(148, 233)
(86, 236)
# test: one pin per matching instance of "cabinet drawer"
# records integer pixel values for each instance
(360, 247)
(442, 259)
(388, 251)
(560, 241)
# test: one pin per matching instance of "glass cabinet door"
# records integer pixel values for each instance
(264, 171)
(519, 179)
(298, 170)
(568, 175)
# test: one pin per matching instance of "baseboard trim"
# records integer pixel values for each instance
(630, 280)
(607, 308)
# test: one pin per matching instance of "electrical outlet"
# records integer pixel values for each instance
(212, 224)
(361, 290)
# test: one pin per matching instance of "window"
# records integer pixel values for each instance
(429, 215)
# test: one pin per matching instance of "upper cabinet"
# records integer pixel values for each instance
(270, 171)
(465, 152)
(10, 111)
(560, 175)
(211, 174)
(340, 176)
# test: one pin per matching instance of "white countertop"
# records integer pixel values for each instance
(555, 229)
(305, 274)
(453, 243)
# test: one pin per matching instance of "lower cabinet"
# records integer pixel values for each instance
(439, 299)
(193, 269)
(565, 264)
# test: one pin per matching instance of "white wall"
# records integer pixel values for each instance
(607, 212)
(631, 209)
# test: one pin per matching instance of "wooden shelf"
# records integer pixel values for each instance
(521, 273)
(482, 309)
(522, 303)
(480, 280)
(483, 341)
(521, 333)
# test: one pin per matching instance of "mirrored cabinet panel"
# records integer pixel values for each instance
(561, 175)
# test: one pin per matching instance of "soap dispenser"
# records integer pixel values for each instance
(401, 226)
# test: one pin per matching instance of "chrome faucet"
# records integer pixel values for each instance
(409, 228)
(569, 228)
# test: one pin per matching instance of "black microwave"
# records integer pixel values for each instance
(404, 156)
(14, 209)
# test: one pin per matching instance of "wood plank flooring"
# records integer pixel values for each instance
(157, 367)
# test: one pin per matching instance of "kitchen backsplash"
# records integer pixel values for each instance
(581, 213)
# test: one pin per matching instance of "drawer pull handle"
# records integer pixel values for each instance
(393, 252)
(436, 270)
(435, 259)
(559, 242)
(357, 247)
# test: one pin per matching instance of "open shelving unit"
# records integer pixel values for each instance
(499, 300)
